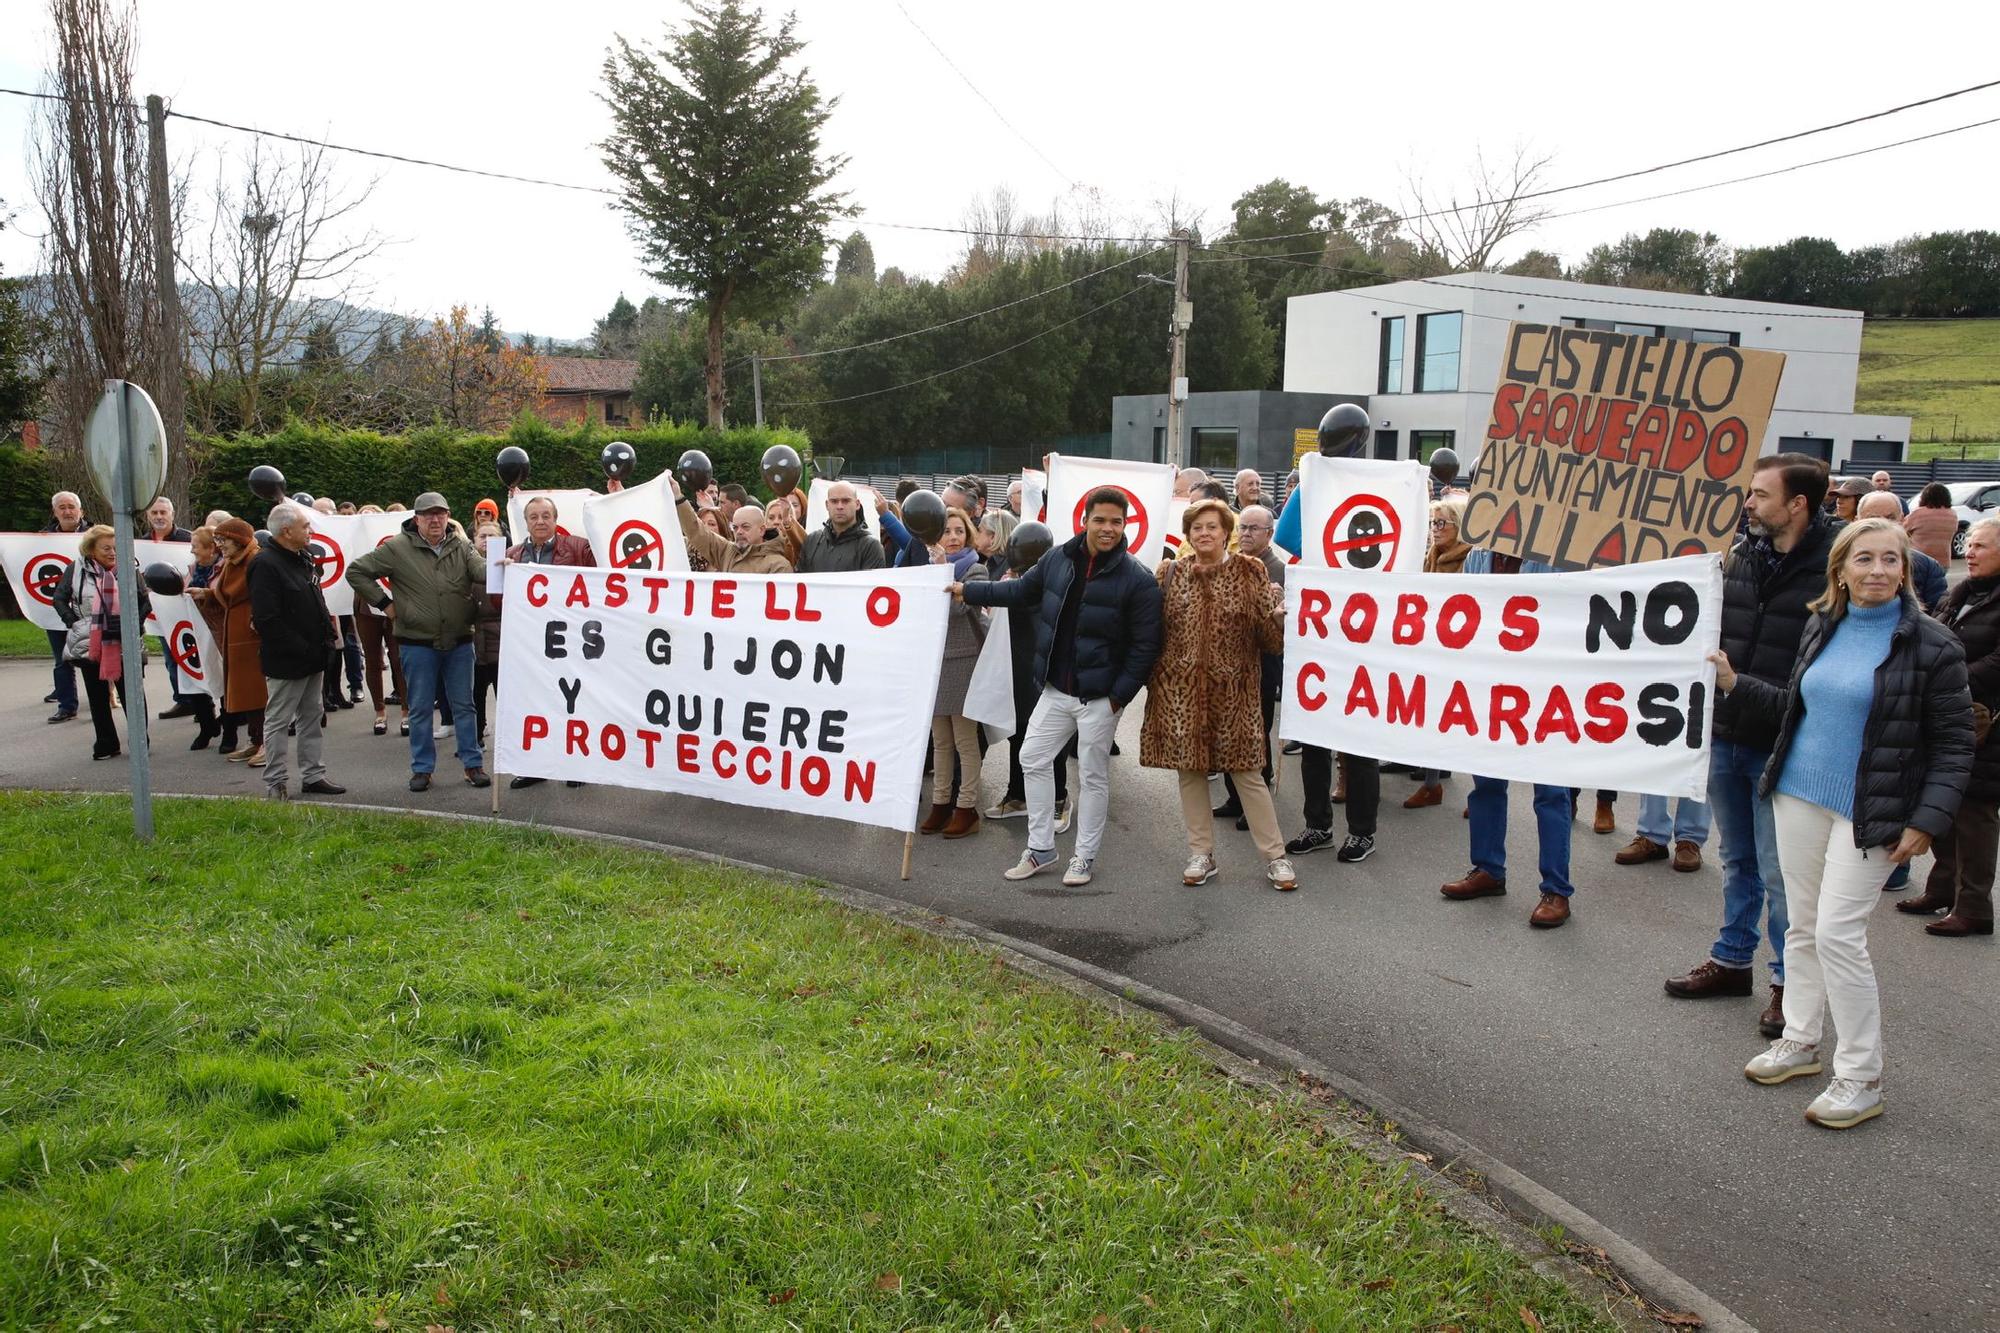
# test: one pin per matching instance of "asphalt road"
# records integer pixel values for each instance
(1556, 1052)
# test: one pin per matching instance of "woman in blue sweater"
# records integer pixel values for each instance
(1872, 758)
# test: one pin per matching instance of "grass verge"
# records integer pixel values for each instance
(1943, 374)
(343, 1071)
(23, 638)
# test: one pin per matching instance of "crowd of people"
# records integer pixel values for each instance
(1851, 732)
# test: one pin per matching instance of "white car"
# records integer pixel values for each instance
(1973, 500)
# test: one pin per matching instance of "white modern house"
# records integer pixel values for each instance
(1427, 354)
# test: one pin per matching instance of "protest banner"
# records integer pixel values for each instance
(1177, 508)
(180, 628)
(1368, 515)
(781, 692)
(816, 506)
(989, 695)
(569, 512)
(1034, 495)
(338, 540)
(1612, 448)
(1597, 679)
(1148, 488)
(36, 562)
(635, 528)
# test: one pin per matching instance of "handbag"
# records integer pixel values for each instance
(76, 649)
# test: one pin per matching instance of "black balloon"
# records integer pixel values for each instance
(267, 483)
(781, 469)
(1444, 467)
(694, 472)
(164, 579)
(264, 538)
(1343, 431)
(512, 465)
(302, 499)
(1027, 544)
(923, 515)
(618, 460)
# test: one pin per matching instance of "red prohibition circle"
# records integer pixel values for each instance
(1335, 542)
(650, 553)
(42, 573)
(186, 653)
(1137, 515)
(329, 561)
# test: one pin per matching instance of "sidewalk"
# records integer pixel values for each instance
(1555, 1052)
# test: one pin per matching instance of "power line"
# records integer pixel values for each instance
(997, 114)
(910, 384)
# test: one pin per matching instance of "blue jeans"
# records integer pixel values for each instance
(424, 669)
(1689, 824)
(1488, 807)
(65, 673)
(1753, 889)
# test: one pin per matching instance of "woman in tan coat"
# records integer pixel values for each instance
(1219, 613)
(1446, 555)
(225, 605)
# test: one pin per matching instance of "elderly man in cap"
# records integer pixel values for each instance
(438, 579)
(294, 636)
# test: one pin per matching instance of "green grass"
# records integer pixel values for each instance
(22, 638)
(326, 1071)
(1943, 374)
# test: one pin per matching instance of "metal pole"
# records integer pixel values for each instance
(757, 385)
(131, 625)
(1177, 327)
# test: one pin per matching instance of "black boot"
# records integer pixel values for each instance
(204, 713)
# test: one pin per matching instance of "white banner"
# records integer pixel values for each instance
(338, 540)
(180, 626)
(569, 513)
(1177, 508)
(1365, 514)
(1597, 679)
(989, 696)
(635, 528)
(1034, 495)
(780, 692)
(1148, 488)
(35, 563)
(816, 507)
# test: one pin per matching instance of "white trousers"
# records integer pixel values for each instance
(1056, 716)
(1831, 887)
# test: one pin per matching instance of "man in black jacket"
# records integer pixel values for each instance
(1767, 581)
(843, 544)
(294, 634)
(1097, 633)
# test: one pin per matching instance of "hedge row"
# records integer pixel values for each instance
(26, 483)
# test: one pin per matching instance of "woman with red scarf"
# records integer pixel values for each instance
(88, 604)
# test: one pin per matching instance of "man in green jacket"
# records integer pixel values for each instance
(428, 580)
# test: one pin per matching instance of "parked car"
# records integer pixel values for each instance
(1973, 500)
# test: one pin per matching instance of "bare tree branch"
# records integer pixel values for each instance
(1459, 232)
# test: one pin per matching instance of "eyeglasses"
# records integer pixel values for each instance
(1443, 523)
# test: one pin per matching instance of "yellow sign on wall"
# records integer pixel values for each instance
(1305, 440)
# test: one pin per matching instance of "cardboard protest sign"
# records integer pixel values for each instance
(36, 562)
(1148, 488)
(1597, 679)
(1611, 448)
(816, 506)
(780, 692)
(180, 627)
(635, 528)
(338, 540)
(569, 512)
(1371, 516)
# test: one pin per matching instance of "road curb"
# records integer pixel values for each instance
(1470, 1183)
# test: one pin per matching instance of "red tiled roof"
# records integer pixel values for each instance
(584, 374)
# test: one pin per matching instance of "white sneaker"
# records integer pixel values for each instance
(1030, 865)
(1007, 810)
(1846, 1103)
(441, 732)
(1078, 873)
(1283, 878)
(1785, 1059)
(1066, 815)
(1200, 870)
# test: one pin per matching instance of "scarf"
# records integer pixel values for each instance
(104, 647)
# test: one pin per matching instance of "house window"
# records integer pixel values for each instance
(1875, 451)
(1807, 445)
(1437, 352)
(1640, 330)
(1214, 448)
(1729, 339)
(1159, 444)
(1428, 442)
(1389, 377)
(1385, 444)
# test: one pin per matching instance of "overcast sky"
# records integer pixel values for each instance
(1138, 102)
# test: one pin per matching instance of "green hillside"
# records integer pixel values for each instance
(1943, 374)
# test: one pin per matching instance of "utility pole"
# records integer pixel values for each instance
(757, 384)
(169, 385)
(1177, 327)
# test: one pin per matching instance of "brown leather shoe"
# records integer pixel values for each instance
(1476, 884)
(1711, 980)
(1956, 925)
(1550, 912)
(1639, 851)
(1687, 857)
(964, 822)
(1771, 1023)
(935, 821)
(1605, 820)
(1428, 794)
(1923, 905)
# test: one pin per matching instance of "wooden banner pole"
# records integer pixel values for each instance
(909, 842)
